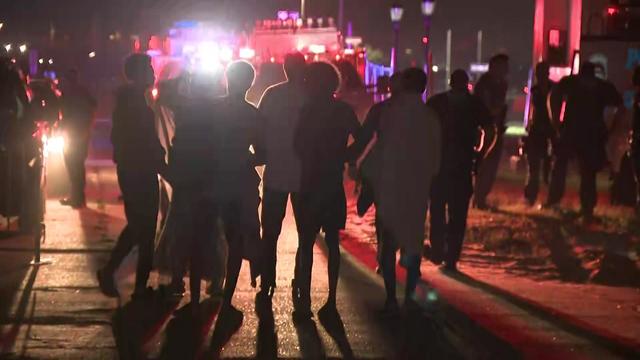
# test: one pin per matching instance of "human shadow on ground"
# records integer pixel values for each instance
(138, 322)
(267, 338)
(309, 339)
(332, 323)
(186, 332)
(227, 324)
(9, 335)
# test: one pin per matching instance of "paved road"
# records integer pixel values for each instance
(56, 311)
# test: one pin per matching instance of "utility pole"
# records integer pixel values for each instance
(303, 13)
(448, 54)
(479, 49)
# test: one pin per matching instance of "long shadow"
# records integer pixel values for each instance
(186, 332)
(334, 326)
(309, 339)
(138, 322)
(227, 324)
(8, 337)
(267, 342)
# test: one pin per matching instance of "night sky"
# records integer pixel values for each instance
(507, 24)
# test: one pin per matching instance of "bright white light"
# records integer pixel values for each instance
(41, 61)
(50, 61)
(1, 25)
(349, 51)
(92, 54)
(154, 93)
(428, 6)
(435, 68)
(23, 48)
(226, 54)
(53, 145)
(247, 53)
(208, 56)
(8, 47)
(317, 49)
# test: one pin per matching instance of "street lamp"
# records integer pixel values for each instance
(23, 48)
(427, 7)
(396, 13)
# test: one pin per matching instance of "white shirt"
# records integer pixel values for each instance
(281, 105)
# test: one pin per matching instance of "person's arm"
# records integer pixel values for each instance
(434, 139)
(556, 99)
(368, 129)
(258, 141)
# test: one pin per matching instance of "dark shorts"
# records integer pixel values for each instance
(324, 209)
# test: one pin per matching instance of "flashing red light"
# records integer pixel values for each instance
(526, 90)
(470, 87)
(338, 57)
(272, 59)
(425, 40)
(154, 93)
(361, 55)
(612, 10)
(554, 37)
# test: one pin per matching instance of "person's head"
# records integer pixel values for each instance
(294, 65)
(588, 70)
(396, 85)
(138, 70)
(636, 77)
(499, 65)
(542, 72)
(459, 81)
(71, 76)
(415, 80)
(240, 77)
(322, 79)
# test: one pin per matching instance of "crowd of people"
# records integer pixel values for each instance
(409, 157)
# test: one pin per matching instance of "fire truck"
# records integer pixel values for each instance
(199, 46)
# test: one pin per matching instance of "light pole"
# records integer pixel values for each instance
(396, 16)
(427, 7)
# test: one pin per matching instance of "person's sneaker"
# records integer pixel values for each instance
(450, 267)
(76, 204)
(106, 283)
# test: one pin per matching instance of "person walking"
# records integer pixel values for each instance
(583, 132)
(321, 145)
(139, 158)
(78, 109)
(234, 189)
(358, 152)
(280, 106)
(541, 134)
(461, 114)
(492, 89)
(408, 158)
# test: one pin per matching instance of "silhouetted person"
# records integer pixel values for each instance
(408, 159)
(139, 158)
(370, 130)
(321, 144)
(280, 105)
(190, 173)
(492, 89)
(234, 189)
(461, 114)
(78, 108)
(541, 133)
(583, 132)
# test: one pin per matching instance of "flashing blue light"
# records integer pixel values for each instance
(186, 24)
